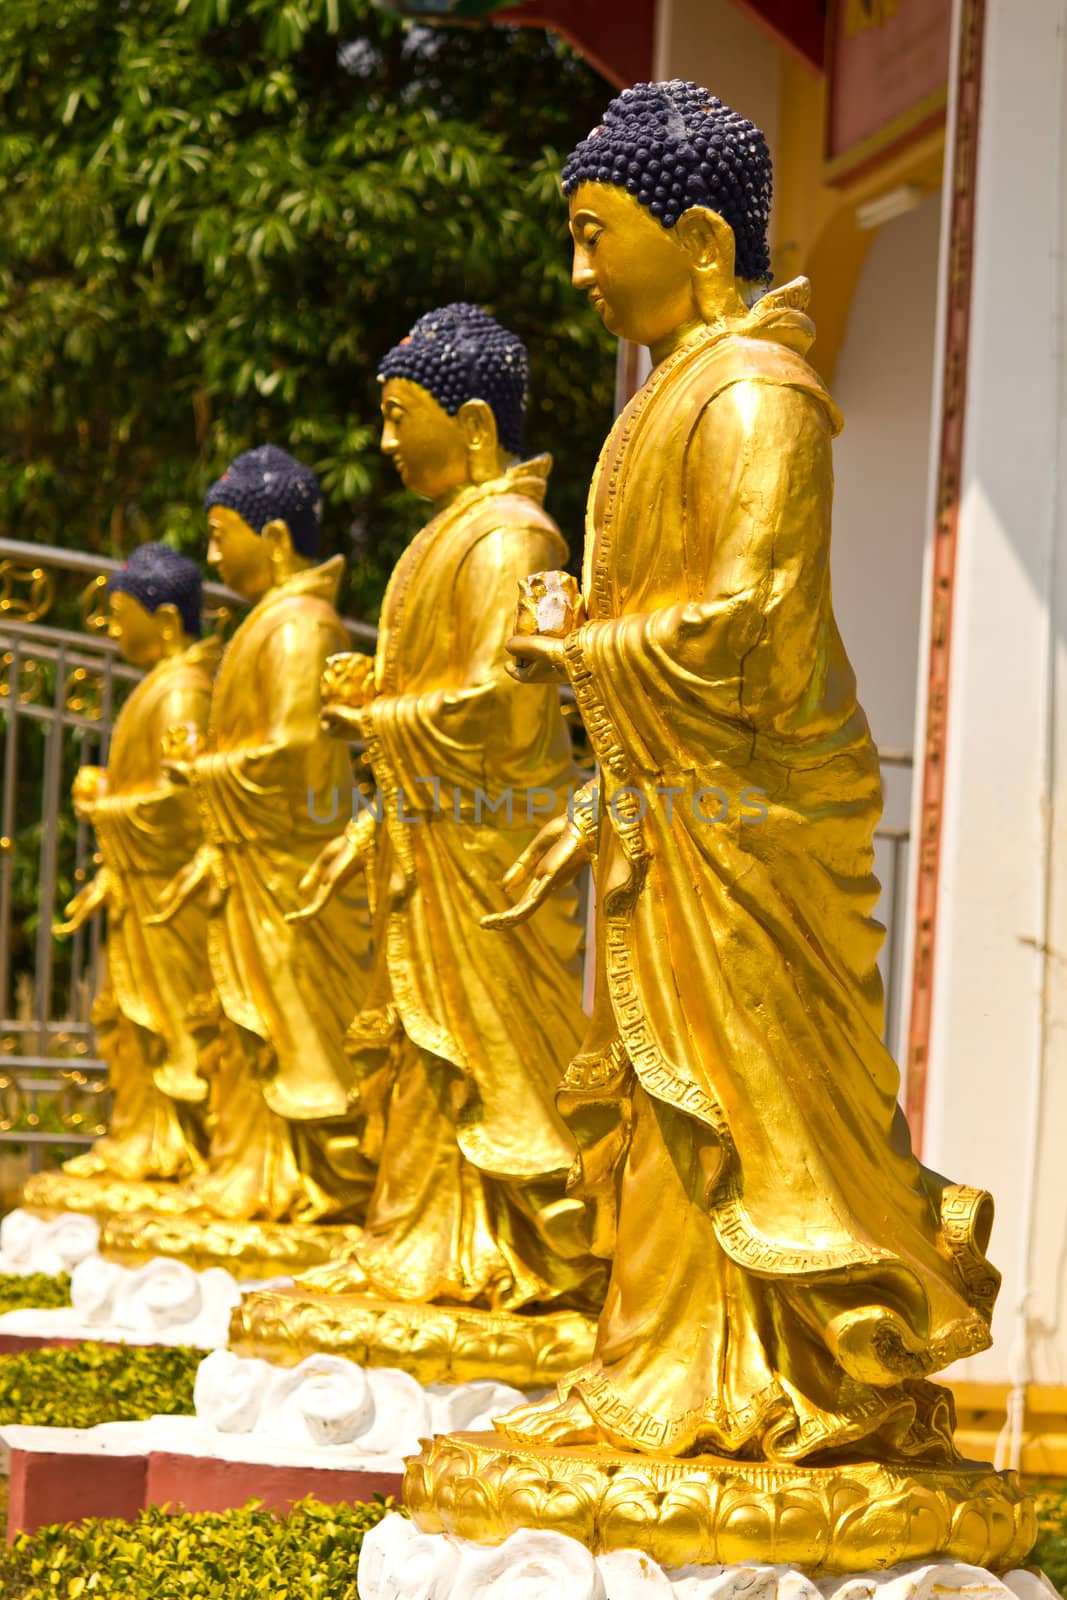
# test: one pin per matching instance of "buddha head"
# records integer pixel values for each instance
(264, 514)
(453, 401)
(154, 604)
(669, 202)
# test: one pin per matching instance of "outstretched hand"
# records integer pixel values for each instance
(188, 882)
(84, 904)
(334, 866)
(550, 861)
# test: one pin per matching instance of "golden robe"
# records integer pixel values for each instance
(287, 1140)
(146, 829)
(472, 1025)
(785, 1272)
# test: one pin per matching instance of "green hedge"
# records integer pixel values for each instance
(1050, 1551)
(39, 1290)
(91, 1383)
(311, 1554)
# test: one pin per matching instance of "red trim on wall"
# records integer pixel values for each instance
(961, 169)
(798, 25)
(617, 39)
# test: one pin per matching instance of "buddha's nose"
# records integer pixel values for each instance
(582, 275)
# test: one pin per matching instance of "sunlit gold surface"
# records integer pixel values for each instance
(851, 1517)
(286, 1144)
(464, 1032)
(436, 1344)
(785, 1274)
(146, 829)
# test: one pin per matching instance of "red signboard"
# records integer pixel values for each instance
(888, 68)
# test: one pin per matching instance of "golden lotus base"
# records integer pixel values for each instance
(143, 1220)
(436, 1344)
(709, 1511)
(50, 1193)
(247, 1249)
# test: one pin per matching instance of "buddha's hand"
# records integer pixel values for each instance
(550, 608)
(538, 659)
(550, 861)
(337, 864)
(199, 873)
(85, 904)
(178, 772)
(346, 688)
(90, 784)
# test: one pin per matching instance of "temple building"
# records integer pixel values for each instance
(920, 151)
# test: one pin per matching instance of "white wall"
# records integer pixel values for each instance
(996, 1106)
(881, 462)
(883, 385)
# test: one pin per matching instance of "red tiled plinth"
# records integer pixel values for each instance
(64, 1486)
(198, 1483)
(45, 1488)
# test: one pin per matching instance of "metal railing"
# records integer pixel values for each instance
(61, 688)
(892, 842)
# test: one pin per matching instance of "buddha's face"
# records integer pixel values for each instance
(426, 446)
(240, 556)
(137, 632)
(636, 272)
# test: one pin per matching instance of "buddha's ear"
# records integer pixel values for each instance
(478, 425)
(707, 239)
(169, 623)
(278, 540)
(476, 419)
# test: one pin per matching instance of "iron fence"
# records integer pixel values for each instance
(62, 684)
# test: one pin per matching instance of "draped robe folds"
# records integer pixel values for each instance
(786, 1273)
(146, 830)
(270, 786)
(474, 1025)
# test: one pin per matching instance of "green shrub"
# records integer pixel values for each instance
(39, 1290)
(93, 1383)
(311, 1554)
(1050, 1551)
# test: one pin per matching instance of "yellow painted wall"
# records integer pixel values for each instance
(816, 230)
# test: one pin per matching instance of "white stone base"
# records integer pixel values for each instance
(331, 1405)
(400, 1563)
(30, 1244)
(163, 1302)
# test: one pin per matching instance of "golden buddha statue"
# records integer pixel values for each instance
(287, 1142)
(145, 830)
(785, 1275)
(462, 1029)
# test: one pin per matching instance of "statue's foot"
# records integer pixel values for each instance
(88, 1165)
(549, 1422)
(344, 1276)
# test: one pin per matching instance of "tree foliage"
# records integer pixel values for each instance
(217, 215)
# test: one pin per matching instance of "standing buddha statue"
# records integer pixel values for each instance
(287, 1143)
(786, 1275)
(469, 1209)
(146, 829)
